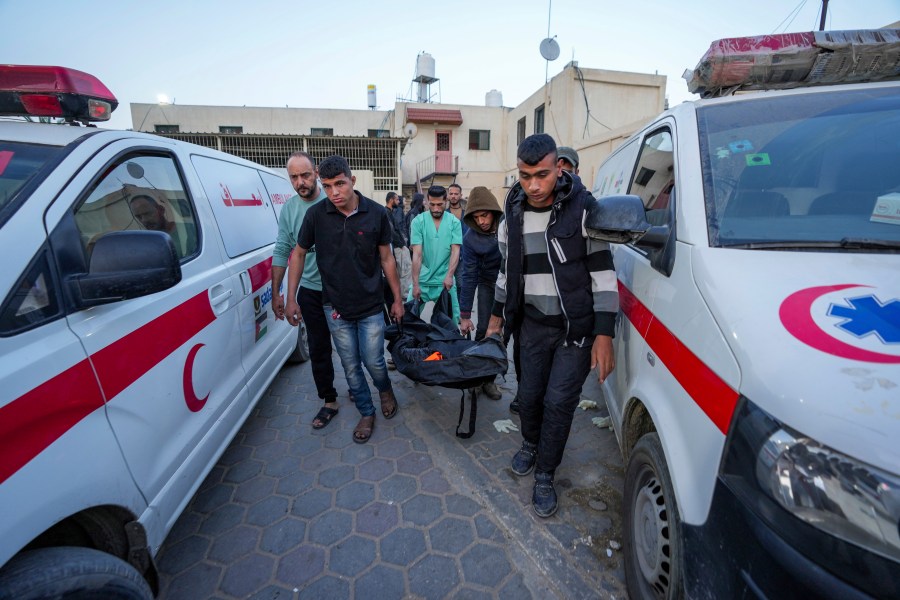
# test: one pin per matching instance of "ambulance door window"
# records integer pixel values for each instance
(654, 181)
(33, 300)
(140, 192)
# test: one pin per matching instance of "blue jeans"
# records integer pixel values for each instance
(358, 343)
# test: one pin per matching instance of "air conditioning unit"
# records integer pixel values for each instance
(509, 180)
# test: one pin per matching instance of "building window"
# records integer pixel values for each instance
(520, 131)
(479, 139)
(321, 131)
(539, 119)
(166, 128)
(379, 133)
(231, 129)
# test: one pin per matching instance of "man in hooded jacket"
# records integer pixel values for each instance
(480, 266)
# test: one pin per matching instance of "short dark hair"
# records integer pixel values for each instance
(535, 147)
(334, 166)
(147, 197)
(456, 185)
(390, 196)
(437, 191)
(302, 154)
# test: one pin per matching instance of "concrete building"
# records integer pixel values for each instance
(419, 143)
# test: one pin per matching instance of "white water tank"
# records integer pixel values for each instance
(371, 95)
(424, 66)
(493, 98)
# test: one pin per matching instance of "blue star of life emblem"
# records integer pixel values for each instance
(866, 315)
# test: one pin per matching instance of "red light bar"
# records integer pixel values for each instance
(54, 92)
(790, 60)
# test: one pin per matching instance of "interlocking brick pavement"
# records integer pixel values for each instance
(290, 512)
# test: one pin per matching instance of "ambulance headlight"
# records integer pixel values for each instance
(834, 493)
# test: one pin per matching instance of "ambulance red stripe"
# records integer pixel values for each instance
(708, 390)
(260, 274)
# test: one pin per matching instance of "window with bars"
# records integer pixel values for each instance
(479, 139)
(166, 128)
(378, 155)
(231, 129)
(520, 131)
(321, 131)
(539, 119)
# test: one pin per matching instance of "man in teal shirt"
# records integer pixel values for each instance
(435, 237)
(302, 172)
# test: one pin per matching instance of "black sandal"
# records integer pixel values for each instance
(324, 417)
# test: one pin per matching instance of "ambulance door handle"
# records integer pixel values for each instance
(246, 284)
(651, 359)
(218, 298)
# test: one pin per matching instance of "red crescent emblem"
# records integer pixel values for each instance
(194, 403)
(796, 317)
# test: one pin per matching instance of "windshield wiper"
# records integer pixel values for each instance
(849, 242)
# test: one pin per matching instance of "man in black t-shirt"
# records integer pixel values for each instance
(352, 236)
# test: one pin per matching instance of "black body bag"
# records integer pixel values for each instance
(436, 353)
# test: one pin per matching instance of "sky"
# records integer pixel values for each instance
(324, 54)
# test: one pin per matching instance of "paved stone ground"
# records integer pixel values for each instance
(291, 513)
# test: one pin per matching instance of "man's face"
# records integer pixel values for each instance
(303, 177)
(484, 219)
(150, 215)
(454, 195)
(565, 165)
(539, 180)
(340, 190)
(436, 206)
(392, 202)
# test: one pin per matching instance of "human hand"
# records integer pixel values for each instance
(495, 326)
(416, 292)
(603, 357)
(397, 310)
(292, 312)
(465, 326)
(278, 306)
(448, 282)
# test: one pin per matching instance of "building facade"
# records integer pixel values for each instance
(416, 144)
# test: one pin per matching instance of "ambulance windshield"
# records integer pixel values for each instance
(812, 170)
(19, 163)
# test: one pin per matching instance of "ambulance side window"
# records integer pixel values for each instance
(33, 300)
(654, 181)
(140, 192)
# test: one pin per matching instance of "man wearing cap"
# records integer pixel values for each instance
(567, 159)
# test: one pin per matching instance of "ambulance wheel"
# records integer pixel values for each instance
(72, 573)
(652, 528)
(301, 352)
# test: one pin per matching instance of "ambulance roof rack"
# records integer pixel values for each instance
(790, 60)
(44, 91)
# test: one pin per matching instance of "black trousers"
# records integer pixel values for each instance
(319, 338)
(552, 375)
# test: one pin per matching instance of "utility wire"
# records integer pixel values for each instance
(791, 15)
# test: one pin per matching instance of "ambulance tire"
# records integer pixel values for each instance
(652, 526)
(301, 352)
(72, 573)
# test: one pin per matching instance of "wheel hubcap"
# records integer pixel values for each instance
(650, 533)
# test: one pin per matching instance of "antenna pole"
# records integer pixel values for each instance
(547, 62)
(824, 12)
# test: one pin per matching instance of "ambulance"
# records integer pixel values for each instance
(136, 332)
(756, 394)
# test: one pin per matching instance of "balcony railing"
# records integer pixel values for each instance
(436, 165)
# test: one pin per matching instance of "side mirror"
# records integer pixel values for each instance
(127, 264)
(617, 219)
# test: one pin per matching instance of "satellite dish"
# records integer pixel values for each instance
(549, 49)
(410, 130)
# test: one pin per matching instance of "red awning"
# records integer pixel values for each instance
(434, 115)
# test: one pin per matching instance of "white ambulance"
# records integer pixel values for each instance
(136, 332)
(756, 395)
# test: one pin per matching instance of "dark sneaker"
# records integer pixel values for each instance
(523, 460)
(543, 498)
(390, 364)
(514, 406)
(491, 390)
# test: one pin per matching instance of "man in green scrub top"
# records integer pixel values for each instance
(435, 237)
